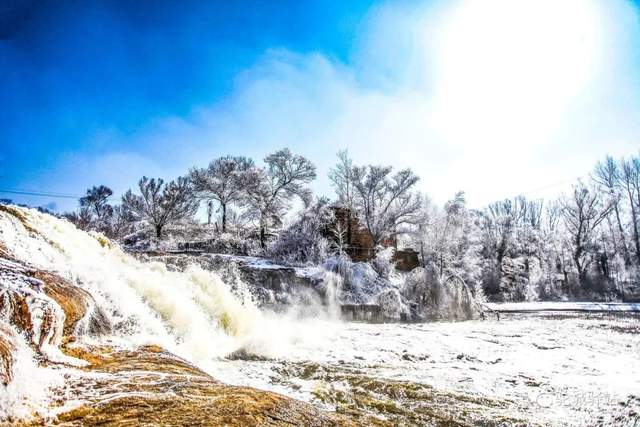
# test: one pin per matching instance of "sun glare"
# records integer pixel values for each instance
(503, 64)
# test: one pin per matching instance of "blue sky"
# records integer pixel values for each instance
(488, 97)
(70, 70)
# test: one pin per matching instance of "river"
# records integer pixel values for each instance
(548, 368)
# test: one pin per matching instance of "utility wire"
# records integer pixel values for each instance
(40, 193)
(74, 196)
(47, 194)
(546, 187)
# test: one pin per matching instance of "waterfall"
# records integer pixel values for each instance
(186, 312)
(193, 314)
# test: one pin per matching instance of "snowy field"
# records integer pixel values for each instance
(548, 369)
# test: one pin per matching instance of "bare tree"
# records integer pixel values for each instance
(160, 204)
(121, 222)
(81, 219)
(446, 233)
(96, 201)
(630, 182)
(582, 212)
(269, 190)
(607, 176)
(342, 181)
(385, 202)
(224, 181)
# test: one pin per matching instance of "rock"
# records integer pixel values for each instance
(7, 351)
(169, 391)
(76, 304)
(44, 306)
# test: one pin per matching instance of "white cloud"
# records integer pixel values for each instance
(495, 97)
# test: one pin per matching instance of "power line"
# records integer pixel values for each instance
(74, 196)
(40, 193)
(48, 194)
(546, 187)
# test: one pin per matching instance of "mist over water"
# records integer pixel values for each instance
(193, 313)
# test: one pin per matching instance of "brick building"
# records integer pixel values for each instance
(358, 242)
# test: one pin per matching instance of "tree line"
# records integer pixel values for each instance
(263, 193)
(586, 240)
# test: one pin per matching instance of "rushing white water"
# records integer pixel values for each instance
(30, 389)
(541, 370)
(193, 314)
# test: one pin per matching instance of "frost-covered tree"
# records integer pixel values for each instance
(607, 176)
(83, 219)
(160, 204)
(448, 239)
(449, 242)
(527, 233)
(269, 191)
(304, 240)
(512, 247)
(582, 212)
(341, 177)
(630, 183)
(384, 201)
(224, 180)
(501, 220)
(447, 230)
(512, 228)
(418, 237)
(554, 248)
(121, 222)
(96, 201)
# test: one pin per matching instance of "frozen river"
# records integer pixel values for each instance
(543, 369)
